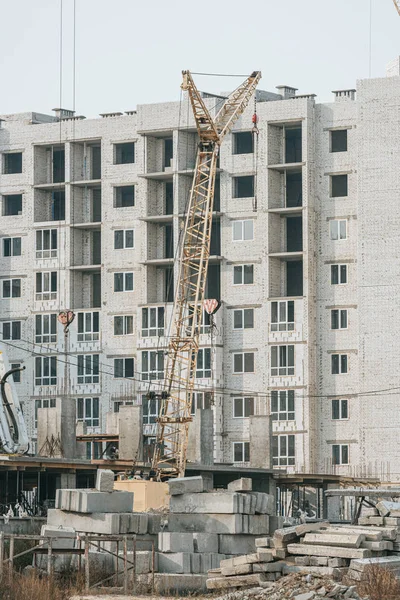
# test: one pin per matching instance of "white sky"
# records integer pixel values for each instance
(130, 52)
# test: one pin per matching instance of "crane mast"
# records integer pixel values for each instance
(169, 458)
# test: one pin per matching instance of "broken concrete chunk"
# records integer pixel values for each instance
(238, 570)
(239, 581)
(244, 484)
(105, 480)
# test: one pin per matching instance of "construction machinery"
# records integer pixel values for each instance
(169, 457)
(397, 5)
(13, 433)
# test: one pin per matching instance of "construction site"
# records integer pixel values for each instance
(198, 301)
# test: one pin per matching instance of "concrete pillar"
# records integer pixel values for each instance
(57, 430)
(131, 433)
(201, 438)
(260, 442)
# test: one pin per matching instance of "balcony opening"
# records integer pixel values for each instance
(49, 206)
(12, 163)
(213, 283)
(215, 244)
(96, 162)
(168, 241)
(96, 205)
(58, 206)
(169, 198)
(243, 187)
(294, 234)
(96, 290)
(243, 142)
(293, 150)
(168, 152)
(12, 205)
(294, 278)
(168, 284)
(96, 247)
(58, 165)
(294, 189)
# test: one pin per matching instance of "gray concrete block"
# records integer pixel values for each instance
(105, 480)
(344, 541)
(92, 501)
(275, 522)
(178, 562)
(187, 485)
(64, 536)
(244, 484)
(237, 570)
(387, 562)
(213, 502)
(112, 523)
(206, 523)
(237, 544)
(330, 551)
(264, 542)
(206, 542)
(144, 562)
(169, 541)
(252, 580)
(171, 584)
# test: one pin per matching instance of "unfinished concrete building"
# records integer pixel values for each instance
(303, 261)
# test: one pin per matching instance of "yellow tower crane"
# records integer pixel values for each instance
(169, 459)
(397, 5)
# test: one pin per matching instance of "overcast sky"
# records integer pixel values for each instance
(130, 52)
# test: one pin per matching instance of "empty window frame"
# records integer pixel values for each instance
(243, 362)
(57, 206)
(46, 329)
(46, 370)
(12, 163)
(88, 368)
(243, 318)
(201, 401)
(282, 316)
(339, 186)
(58, 160)
(338, 141)
(17, 375)
(88, 326)
(338, 274)
(124, 196)
(43, 403)
(123, 239)
(124, 153)
(46, 243)
(11, 288)
(340, 454)
(46, 285)
(152, 365)
(124, 367)
(12, 205)
(169, 198)
(282, 405)
(243, 274)
(339, 318)
(243, 230)
(339, 364)
(151, 409)
(153, 321)
(123, 282)
(203, 365)
(123, 325)
(168, 152)
(338, 229)
(88, 411)
(12, 246)
(243, 187)
(283, 450)
(243, 407)
(243, 142)
(340, 409)
(282, 360)
(293, 144)
(241, 451)
(11, 330)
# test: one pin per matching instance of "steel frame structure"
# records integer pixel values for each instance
(169, 458)
(397, 5)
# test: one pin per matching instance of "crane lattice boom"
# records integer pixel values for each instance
(169, 458)
(397, 5)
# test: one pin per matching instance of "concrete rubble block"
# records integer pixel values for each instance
(90, 501)
(105, 480)
(302, 561)
(305, 596)
(324, 539)
(318, 561)
(244, 484)
(178, 562)
(213, 502)
(258, 524)
(279, 553)
(210, 560)
(336, 574)
(156, 522)
(169, 541)
(369, 533)
(370, 521)
(238, 570)
(386, 508)
(236, 544)
(210, 523)
(391, 521)
(388, 533)
(272, 567)
(275, 523)
(265, 503)
(111, 523)
(144, 561)
(101, 562)
(378, 546)
(196, 563)
(206, 543)
(337, 562)
(387, 562)
(264, 542)
(331, 551)
(310, 527)
(171, 584)
(253, 579)
(282, 537)
(264, 555)
(64, 536)
(188, 485)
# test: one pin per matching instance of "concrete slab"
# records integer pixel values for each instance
(65, 536)
(210, 523)
(344, 540)
(105, 480)
(252, 580)
(92, 501)
(175, 542)
(386, 508)
(213, 502)
(264, 542)
(112, 523)
(388, 562)
(244, 484)
(238, 570)
(187, 485)
(331, 551)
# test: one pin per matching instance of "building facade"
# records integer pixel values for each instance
(304, 260)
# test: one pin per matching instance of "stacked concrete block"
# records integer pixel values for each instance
(92, 501)
(105, 480)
